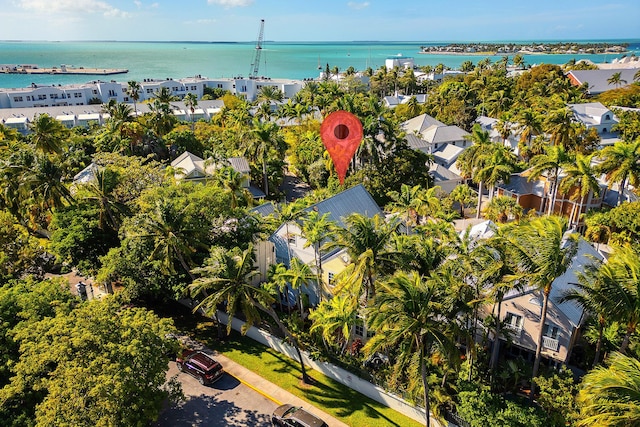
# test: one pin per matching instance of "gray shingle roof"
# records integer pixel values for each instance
(597, 79)
(353, 200)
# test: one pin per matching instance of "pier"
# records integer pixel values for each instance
(63, 69)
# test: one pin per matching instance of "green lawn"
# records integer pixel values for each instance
(334, 398)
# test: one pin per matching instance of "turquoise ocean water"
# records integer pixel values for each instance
(184, 59)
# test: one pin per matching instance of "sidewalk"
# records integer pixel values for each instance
(272, 391)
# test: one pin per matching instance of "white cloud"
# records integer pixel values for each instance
(358, 6)
(231, 3)
(72, 7)
(138, 4)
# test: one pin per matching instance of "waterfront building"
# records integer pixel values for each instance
(597, 81)
(101, 92)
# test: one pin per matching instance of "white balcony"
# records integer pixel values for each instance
(549, 343)
(516, 330)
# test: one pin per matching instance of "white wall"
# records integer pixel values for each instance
(338, 374)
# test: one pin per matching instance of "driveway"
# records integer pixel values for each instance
(227, 402)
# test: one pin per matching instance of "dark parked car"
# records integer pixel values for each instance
(201, 366)
(295, 416)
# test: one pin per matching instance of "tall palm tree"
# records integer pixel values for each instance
(610, 396)
(621, 163)
(315, 229)
(468, 162)
(133, 91)
(191, 102)
(408, 314)
(225, 279)
(549, 164)
(298, 275)
(544, 251)
(581, 176)
(495, 165)
(266, 135)
(499, 274)
(590, 294)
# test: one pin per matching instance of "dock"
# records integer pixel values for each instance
(63, 69)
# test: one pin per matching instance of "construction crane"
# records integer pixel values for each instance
(256, 59)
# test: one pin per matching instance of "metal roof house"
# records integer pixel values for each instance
(288, 238)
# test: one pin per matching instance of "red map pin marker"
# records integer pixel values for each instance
(341, 134)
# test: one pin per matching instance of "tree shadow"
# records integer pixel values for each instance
(208, 411)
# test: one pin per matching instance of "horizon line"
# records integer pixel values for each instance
(594, 40)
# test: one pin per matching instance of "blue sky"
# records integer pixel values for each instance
(318, 20)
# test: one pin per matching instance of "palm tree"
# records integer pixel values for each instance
(529, 125)
(518, 61)
(298, 275)
(610, 397)
(616, 79)
(621, 163)
(581, 176)
(406, 202)
(543, 250)
(266, 134)
(499, 273)
(334, 318)
(559, 124)
(464, 196)
(468, 161)
(225, 280)
(191, 102)
(268, 94)
(233, 182)
(48, 134)
(621, 282)
(501, 208)
(315, 229)
(495, 165)
(164, 95)
(409, 314)
(133, 91)
(366, 241)
(99, 191)
(549, 163)
(166, 229)
(590, 294)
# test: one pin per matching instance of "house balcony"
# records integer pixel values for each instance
(516, 331)
(549, 343)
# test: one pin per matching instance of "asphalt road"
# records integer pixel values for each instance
(226, 403)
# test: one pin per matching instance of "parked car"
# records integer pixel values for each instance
(201, 366)
(294, 416)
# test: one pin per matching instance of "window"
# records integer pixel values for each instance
(219, 85)
(17, 99)
(331, 278)
(28, 98)
(550, 331)
(607, 117)
(359, 329)
(41, 97)
(291, 238)
(513, 321)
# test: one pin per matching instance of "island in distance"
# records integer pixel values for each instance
(528, 48)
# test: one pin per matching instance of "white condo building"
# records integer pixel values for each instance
(98, 92)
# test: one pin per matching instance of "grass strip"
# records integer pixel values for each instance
(326, 394)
